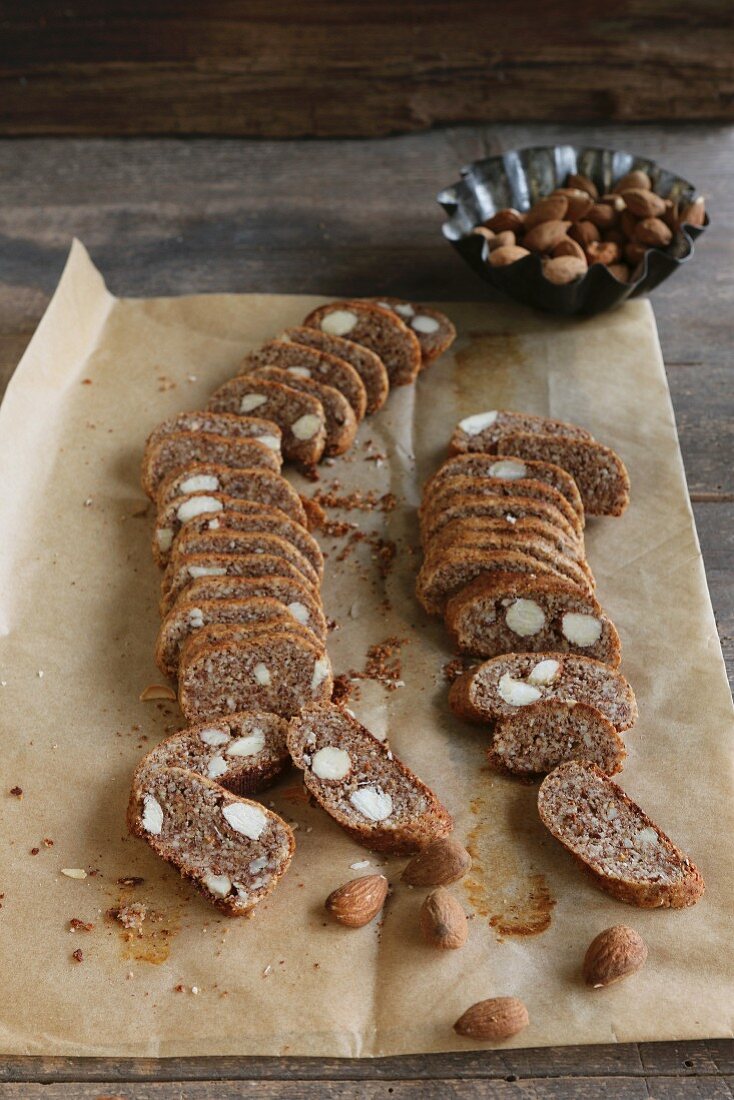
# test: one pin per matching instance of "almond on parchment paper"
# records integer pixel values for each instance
(443, 921)
(442, 861)
(495, 1019)
(356, 902)
(614, 954)
(157, 691)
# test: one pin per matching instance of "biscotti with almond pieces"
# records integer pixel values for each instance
(537, 738)
(599, 472)
(180, 450)
(181, 574)
(310, 363)
(498, 687)
(251, 483)
(341, 423)
(225, 541)
(508, 468)
(362, 785)
(202, 420)
(483, 431)
(300, 416)
(380, 330)
(435, 332)
(300, 599)
(447, 492)
(497, 506)
(627, 854)
(367, 364)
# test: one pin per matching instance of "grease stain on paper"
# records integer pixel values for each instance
(491, 357)
(515, 901)
(146, 933)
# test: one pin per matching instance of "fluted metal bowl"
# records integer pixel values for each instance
(520, 177)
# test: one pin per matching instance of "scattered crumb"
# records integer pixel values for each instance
(454, 668)
(78, 955)
(363, 502)
(35, 851)
(131, 880)
(73, 872)
(47, 842)
(76, 925)
(17, 792)
(383, 663)
(88, 502)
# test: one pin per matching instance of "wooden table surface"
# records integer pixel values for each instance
(170, 216)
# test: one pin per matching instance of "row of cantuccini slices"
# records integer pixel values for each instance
(502, 524)
(243, 628)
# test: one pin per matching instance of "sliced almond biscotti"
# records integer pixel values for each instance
(294, 593)
(319, 366)
(367, 364)
(258, 485)
(241, 542)
(460, 531)
(244, 634)
(362, 785)
(178, 578)
(277, 672)
(626, 853)
(341, 423)
(496, 506)
(187, 617)
(484, 430)
(498, 687)
(505, 612)
(599, 472)
(233, 850)
(380, 330)
(202, 420)
(435, 332)
(248, 516)
(448, 491)
(544, 550)
(244, 752)
(300, 416)
(180, 450)
(477, 464)
(536, 739)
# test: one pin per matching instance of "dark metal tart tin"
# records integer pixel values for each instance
(520, 177)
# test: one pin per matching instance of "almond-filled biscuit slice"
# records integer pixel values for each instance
(252, 483)
(543, 550)
(178, 577)
(181, 450)
(538, 738)
(243, 634)
(380, 330)
(297, 596)
(235, 427)
(239, 515)
(483, 431)
(626, 853)
(497, 506)
(300, 416)
(507, 468)
(435, 332)
(446, 492)
(187, 617)
(244, 752)
(599, 472)
(501, 686)
(505, 612)
(461, 530)
(362, 785)
(312, 363)
(233, 850)
(367, 364)
(276, 672)
(341, 423)
(241, 542)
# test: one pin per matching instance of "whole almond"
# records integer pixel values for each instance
(694, 213)
(568, 247)
(545, 236)
(644, 204)
(482, 231)
(442, 861)
(634, 252)
(584, 233)
(356, 902)
(579, 202)
(620, 272)
(495, 1019)
(552, 208)
(603, 252)
(603, 215)
(636, 179)
(505, 239)
(627, 223)
(507, 218)
(564, 269)
(583, 183)
(443, 922)
(614, 954)
(501, 257)
(654, 232)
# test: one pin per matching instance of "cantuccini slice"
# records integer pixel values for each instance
(252, 483)
(378, 329)
(188, 617)
(483, 431)
(435, 332)
(341, 423)
(508, 468)
(362, 785)
(259, 566)
(276, 672)
(300, 416)
(599, 472)
(460, 531)
(244, 752)
(244, 634)
(313, 363)
(448, 491)
(247, 516)
(241, 542)
(235, 427)
(496, 506)
(544, 550)
(498, 687)
(367, 364)
(538, 738)
(626, 853)
(504, 612)
(181, 450)
(294, 593)
(233, 850)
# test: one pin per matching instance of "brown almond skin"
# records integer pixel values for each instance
(545, 236)
(643, 204)
(495, 1019)
(603, 252)
(508, 218)
(441, 862)
(694, 213)
(505, 239)
(442, 920)
(628, 223)
(569, 247)
(636, 179)
(552, 208)
(501, 257)
(584, 233)
(582, 183)
(356, 902)
(653, 232)
(564, 269)
(603, 215)
(579, 202)
(633, 252)
(613, 955)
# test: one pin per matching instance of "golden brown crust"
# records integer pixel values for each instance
(380, 330)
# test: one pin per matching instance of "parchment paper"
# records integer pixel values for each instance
(78, 621)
